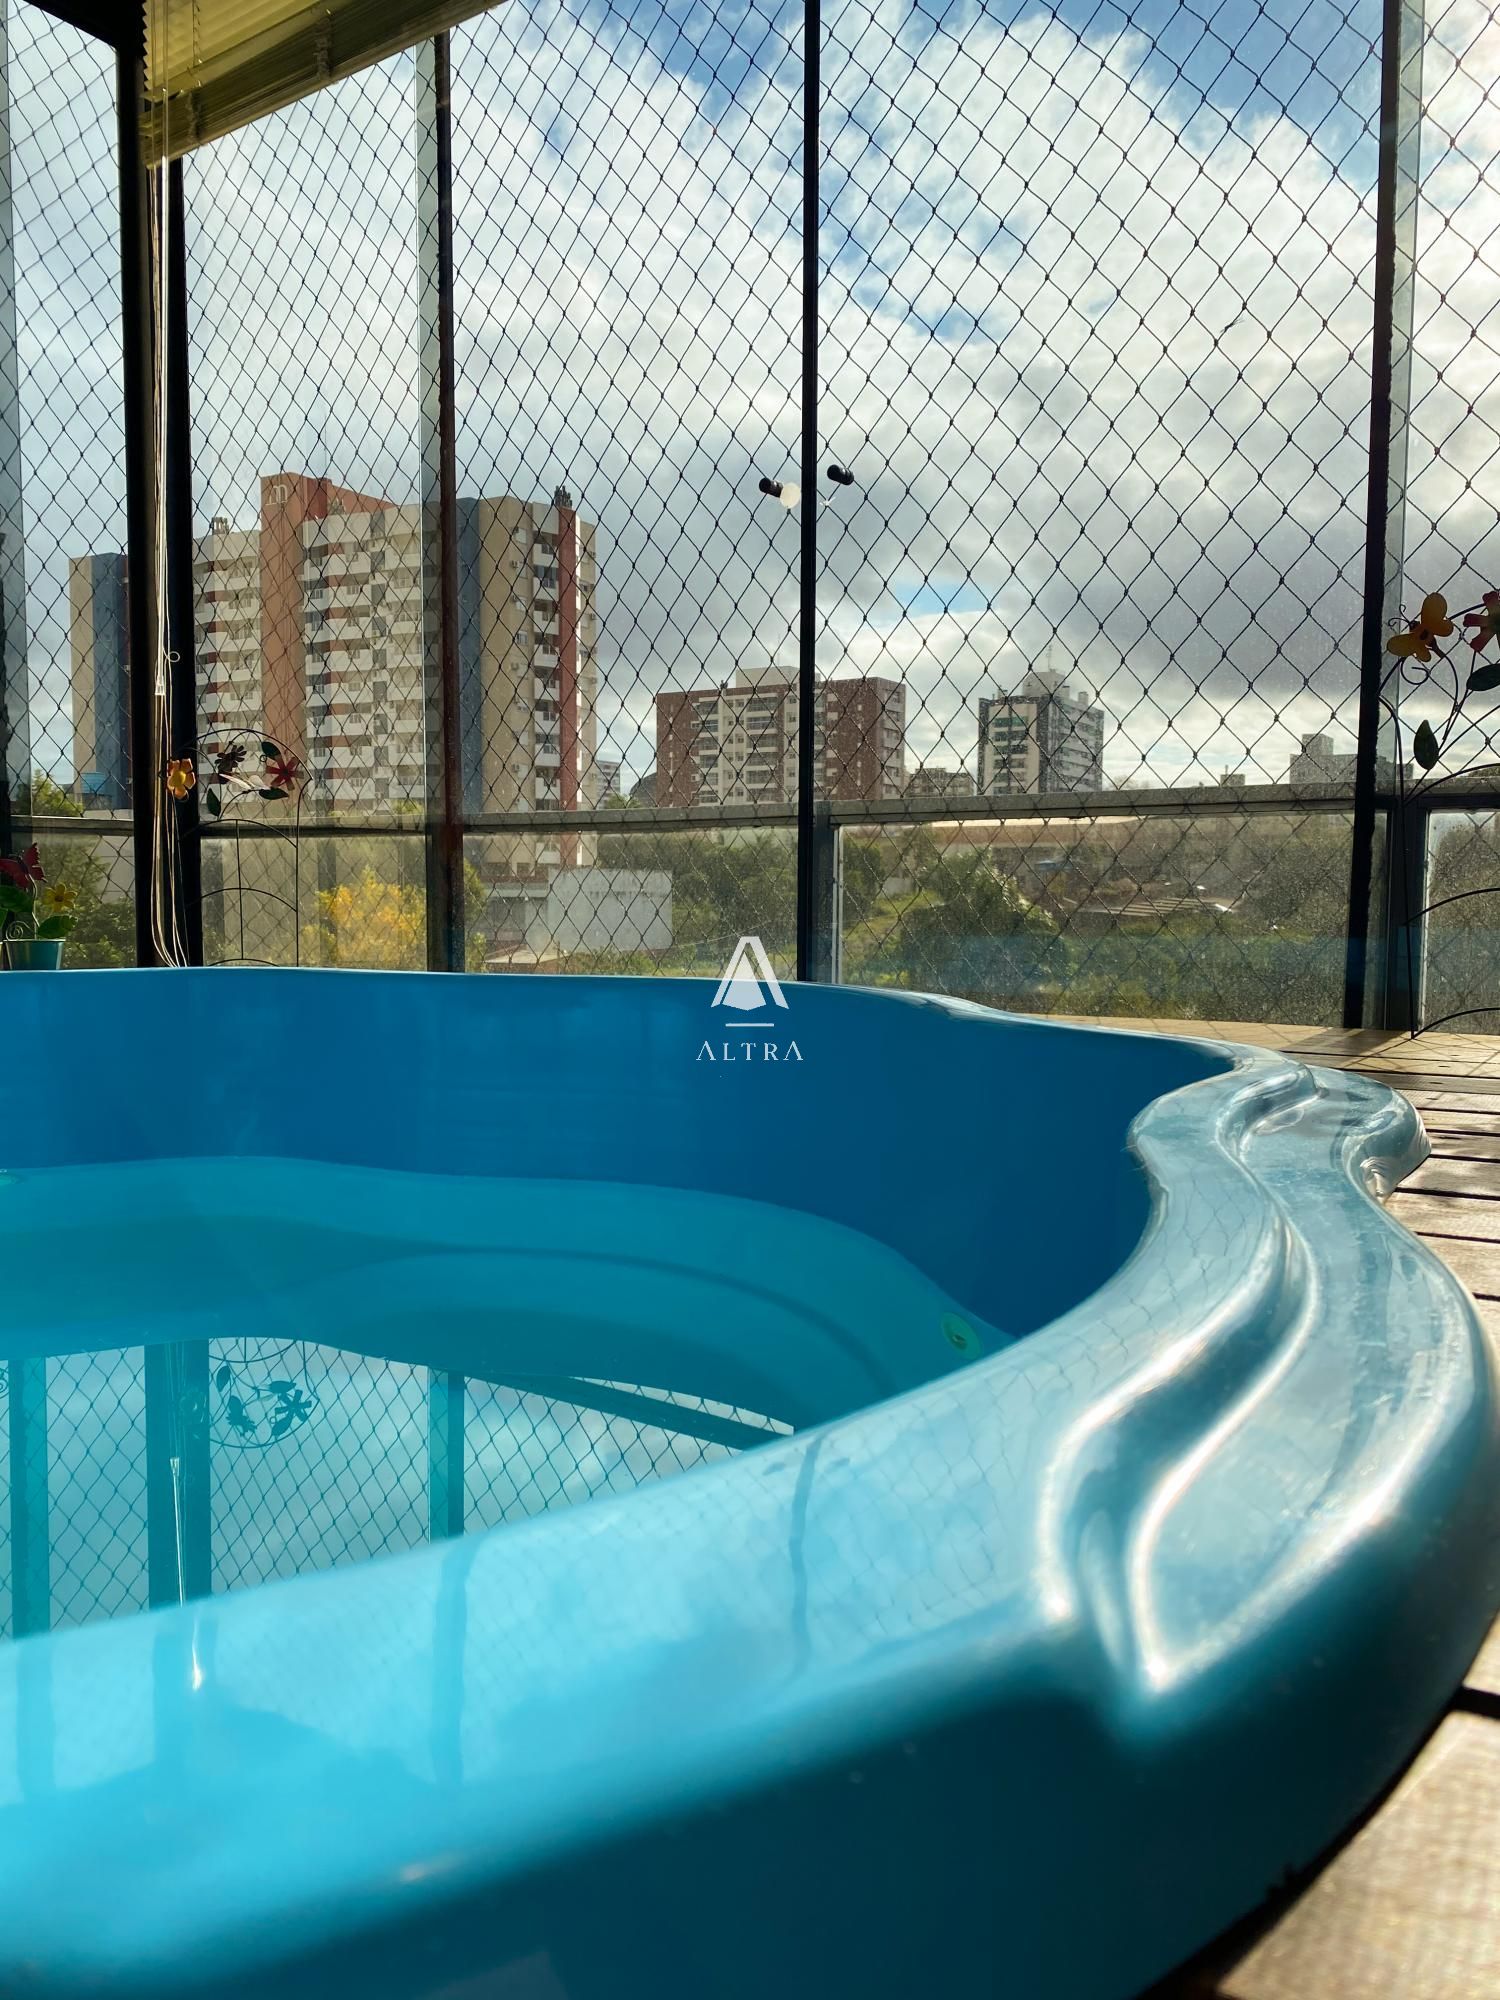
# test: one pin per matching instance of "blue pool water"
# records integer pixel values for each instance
(712, 1295)
(599, 1335)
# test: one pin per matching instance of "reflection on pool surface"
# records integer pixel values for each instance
(317, 1456)
(350, 1361)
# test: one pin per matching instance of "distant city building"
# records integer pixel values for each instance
(1318, 763)
(861, 738)
(1042, 738)
(101, 682)
(939, 781)
(604, 909)
(310, 629)
(737, 745)
(537, 926)
(1233, 781)
(608, 769)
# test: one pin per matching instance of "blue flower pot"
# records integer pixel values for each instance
(33, 954)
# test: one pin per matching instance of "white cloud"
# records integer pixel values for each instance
(1095, 342)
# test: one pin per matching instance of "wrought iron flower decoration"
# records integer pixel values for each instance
(282, 774)
(23, 871)
(230, 781)
(1420, 639)
(256, 1414)
(1421, 646)
(1485, 622)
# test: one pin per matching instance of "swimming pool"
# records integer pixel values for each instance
(1071, 1444)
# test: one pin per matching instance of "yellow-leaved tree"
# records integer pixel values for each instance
(382, 926)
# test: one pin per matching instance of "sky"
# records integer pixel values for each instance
(1095, 311)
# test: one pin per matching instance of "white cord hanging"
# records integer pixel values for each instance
(166, 935)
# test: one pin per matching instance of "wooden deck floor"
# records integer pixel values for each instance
(1408, 1908)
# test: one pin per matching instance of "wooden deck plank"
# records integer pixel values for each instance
(1433, 1058)
(1484, 1675)
(1262, 1034)
(1463, 1146)
(1478, 1125)
(1445, 1175)
(1421, 1062)
(1407, 1911)
(1413, 1080)
(1476, 1265)
(1470, 1052)
(1477, 1221)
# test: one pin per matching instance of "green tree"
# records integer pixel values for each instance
(1295, 874)
(1463, 930)
(724, 886)
(44, 798)
(967, 929)
(865, 866)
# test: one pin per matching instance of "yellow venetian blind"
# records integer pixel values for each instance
(214, 64)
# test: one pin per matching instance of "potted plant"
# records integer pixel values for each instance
(34, 919)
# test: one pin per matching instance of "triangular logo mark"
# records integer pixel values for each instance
(747, 973)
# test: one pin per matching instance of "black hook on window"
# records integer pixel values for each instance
(840, 476)
(782, 490)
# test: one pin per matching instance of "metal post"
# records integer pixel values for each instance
(179, 1521)
(164, 1580)
(445, 843)
(137, 329)
(1385, 502)
(30, 1530)
(1406, 919)
(445, 1455)
(825, 952)
(15, 715)
(186, 886)
(807, 636)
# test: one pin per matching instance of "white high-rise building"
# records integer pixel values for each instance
(1042, 738)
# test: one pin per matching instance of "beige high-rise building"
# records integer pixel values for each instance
(226, 595)
(528, 576)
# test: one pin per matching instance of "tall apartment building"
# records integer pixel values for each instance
(311, 628)
(1042, 738)
(528, 654)
(737, 744)
(97, 614)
